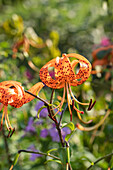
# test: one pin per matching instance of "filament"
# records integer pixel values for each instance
(75, 98)
(80, 118)
(2, 118)
(79, 126)
(69, 101)
(62, 102)
(82, 112)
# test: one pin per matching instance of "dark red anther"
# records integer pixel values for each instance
(12, 132)
(72, 105)
(9, 133)
(91, 105)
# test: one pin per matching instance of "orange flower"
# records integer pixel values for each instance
(11, 92)
(64, 77)
(103, 56)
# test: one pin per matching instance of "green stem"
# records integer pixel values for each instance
(6, 146)
(27, 151)
(38, 152)
(68, 165)
(55, 120)
(50, 110)
(46, 103)
(68, 155)
(108, 155)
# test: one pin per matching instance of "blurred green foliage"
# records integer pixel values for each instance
(45, 29)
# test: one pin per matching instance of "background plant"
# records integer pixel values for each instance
(62, 27)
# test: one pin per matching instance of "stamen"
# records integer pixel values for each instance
(82, 120)
(79, 126)
(82, 112)
(6, 122)
(68, 100)
(9, 122)
(72, 104)
(91, 105)
(12, 132)
(75, 98)
(9, 133)
(62, 101)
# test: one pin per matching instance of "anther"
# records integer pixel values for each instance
(12, 132)
(9, 133)
(91, 105)
(72, 105)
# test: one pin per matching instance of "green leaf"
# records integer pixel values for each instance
(49, 105)
(70, 125)
(16, 159)
(111, 162)
(40, 111)
(54, 160)
(51, 150)
(86, 158)
(63, 155)
(68, 136)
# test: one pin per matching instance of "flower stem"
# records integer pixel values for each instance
(108, 155)
(38, 152)
(68, 165)
(51, 113)
(6, 146)
(46, 103)
(55, 120)
(27, 151)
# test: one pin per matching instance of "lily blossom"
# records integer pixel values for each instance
(12, 92)
(65, 77)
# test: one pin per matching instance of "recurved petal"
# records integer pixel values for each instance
(6, 94)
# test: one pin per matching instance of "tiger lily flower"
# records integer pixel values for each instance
(64, 77)
(12, 92)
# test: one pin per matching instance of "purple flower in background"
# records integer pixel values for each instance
(65, 131)
(54, 134)
(44, 111)
(105, 41)
(30, 127)
(39, 105)
(29, 75)
(39, 122)
(44, 133)
(33, 155)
